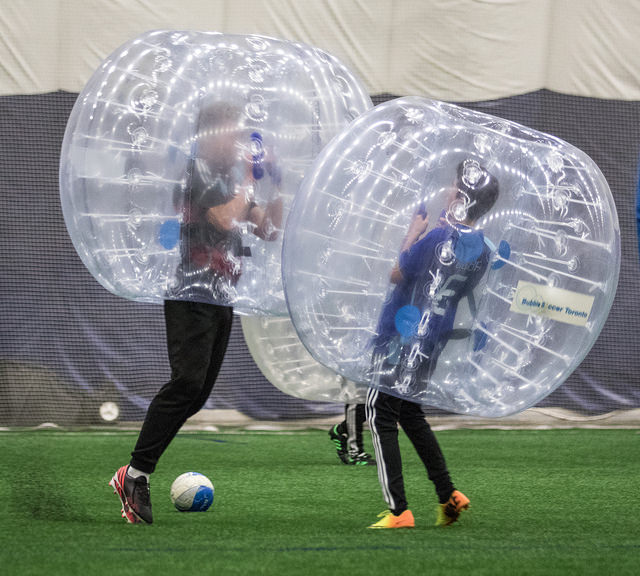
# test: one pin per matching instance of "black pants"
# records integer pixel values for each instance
(197, 338)
(351, 426)
(384, 413)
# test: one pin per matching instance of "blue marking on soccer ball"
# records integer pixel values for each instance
(202, 499)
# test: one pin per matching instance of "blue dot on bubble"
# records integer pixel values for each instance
(169, 234)
(407, 319)
(504, 251)
(480, 338)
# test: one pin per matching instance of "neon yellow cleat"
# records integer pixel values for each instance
(449, 512)
(390, 520)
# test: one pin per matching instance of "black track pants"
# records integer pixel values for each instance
(197, 338)
(384, 413)
(351, 426)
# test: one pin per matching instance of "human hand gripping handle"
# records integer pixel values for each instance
(417, 228)
(268, 220)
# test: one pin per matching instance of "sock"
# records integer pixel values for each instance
(135, 473)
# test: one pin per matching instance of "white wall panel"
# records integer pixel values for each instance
(28, 46)
(594, 48)
(349, 30)
(355, 31)
(458, 50)
(464, 50)
(93, 29)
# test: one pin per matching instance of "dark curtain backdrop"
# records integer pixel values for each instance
(66, 344)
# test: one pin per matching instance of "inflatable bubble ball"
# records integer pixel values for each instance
(283, 360)
(450, 257)
(182, 155)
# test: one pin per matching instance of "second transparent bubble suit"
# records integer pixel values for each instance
(551, 241)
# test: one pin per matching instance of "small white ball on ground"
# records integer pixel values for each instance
(192, 492)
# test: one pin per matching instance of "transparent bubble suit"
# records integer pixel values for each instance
(130, 147)
(546, 262)
(283, 360)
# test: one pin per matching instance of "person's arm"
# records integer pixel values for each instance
(396, 274)
(417, 228)
(267, 220)
(225, 217)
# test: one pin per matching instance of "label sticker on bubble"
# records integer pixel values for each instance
(555, 303)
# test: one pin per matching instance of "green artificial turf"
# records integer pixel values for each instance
(543, 502)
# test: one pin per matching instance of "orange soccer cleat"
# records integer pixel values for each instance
(390, 520)
(449, 512)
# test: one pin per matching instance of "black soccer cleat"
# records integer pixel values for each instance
(362, 459)
(340, 444)
(134, 496)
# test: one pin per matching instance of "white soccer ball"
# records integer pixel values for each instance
(192, 492)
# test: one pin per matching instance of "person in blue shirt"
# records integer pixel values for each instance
(435, 270)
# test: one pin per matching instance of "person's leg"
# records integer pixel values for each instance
(222, 322)
(338, 437)
(382, 414)
(197, 337)
(416, 427)
(354, 419)
(354, 424)
(452, 501)
(341, 428)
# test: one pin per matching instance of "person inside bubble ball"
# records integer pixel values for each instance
(435, 270)
(218, 204)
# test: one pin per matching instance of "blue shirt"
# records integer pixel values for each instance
(437, 271)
